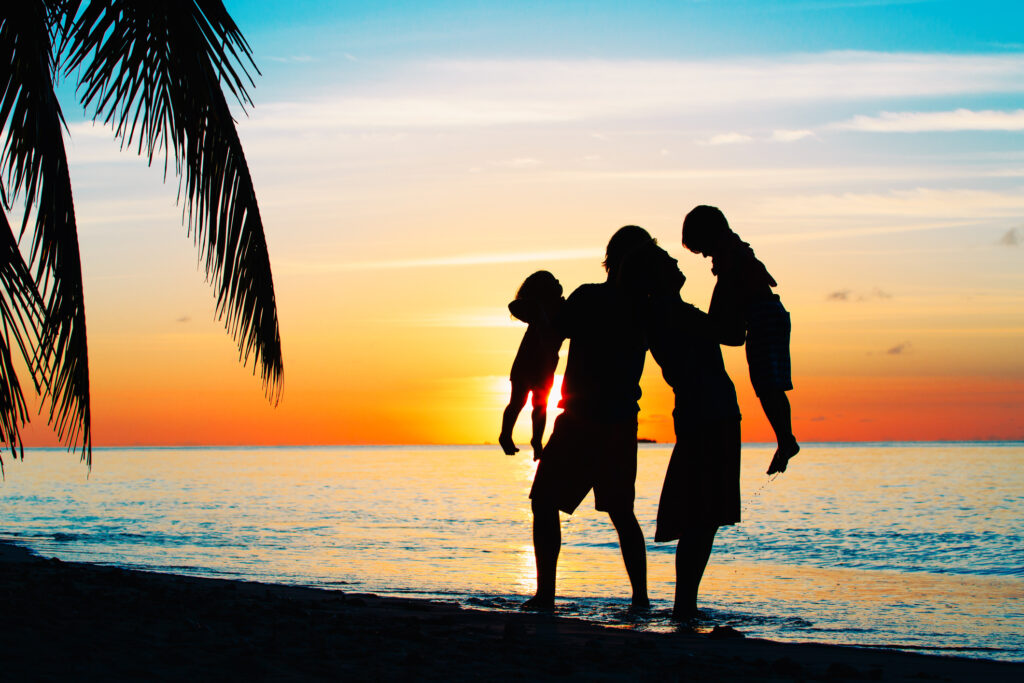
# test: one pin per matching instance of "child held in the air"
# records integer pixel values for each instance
(537, 303)
(744, 309)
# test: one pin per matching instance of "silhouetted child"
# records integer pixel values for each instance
(533, 372)
(744, 308)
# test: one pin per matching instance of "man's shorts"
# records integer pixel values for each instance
(585, 454)
(768, 330)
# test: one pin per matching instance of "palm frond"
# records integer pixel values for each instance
(34, 163)
(155, 71)
(21, 319)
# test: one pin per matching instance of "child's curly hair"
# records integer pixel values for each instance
(539, 285)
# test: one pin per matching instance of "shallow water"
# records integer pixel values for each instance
(909, 545)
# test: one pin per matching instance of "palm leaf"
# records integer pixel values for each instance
(154, 71)
(21, 318)
(35, 165)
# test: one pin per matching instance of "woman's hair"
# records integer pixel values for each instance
(539, 285)
(704, 227)
(643, 270)
(625, 240)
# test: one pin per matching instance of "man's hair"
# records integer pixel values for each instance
(625, 240)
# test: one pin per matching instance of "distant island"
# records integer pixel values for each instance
(641, 439)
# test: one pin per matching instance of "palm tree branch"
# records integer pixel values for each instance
(34, 162)
(153, 70)
(21, 319)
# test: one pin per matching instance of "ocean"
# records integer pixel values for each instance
(917, 546)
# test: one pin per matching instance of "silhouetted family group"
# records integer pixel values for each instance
(593, 445)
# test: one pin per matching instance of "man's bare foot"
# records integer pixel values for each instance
(782, 455)
(507, 444)
(538, 603)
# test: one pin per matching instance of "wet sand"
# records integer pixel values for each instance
(70, 621)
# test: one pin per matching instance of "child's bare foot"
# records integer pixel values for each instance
(783, 453)
(538, 449)
(539, 603)
(507, 445)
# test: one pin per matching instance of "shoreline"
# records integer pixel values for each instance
(90, 622)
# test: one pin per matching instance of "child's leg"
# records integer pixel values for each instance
(508, 419)
(540, 420)
(692, 555)
(777, 410)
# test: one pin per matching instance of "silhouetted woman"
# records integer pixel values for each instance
(702, 485)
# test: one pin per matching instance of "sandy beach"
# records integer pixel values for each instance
(69, 620)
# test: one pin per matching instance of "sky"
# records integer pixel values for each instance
(414, 161)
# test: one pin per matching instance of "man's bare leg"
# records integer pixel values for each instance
(547, 542)
(634, 555)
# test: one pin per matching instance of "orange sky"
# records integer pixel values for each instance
(409, 185)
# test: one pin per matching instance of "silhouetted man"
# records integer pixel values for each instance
(593, 444)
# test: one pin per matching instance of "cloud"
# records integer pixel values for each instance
(294, 59)
(939, 121)
(1009, 239)
(445, 261)
(923, 202)
(519, 162)
(488, 318)
(848, 295)
(899, 349)
(503, 92)
(727, 139)
(791, 135)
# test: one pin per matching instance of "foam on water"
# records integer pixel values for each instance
(912, 545)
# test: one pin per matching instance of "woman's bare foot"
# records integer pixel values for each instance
(782, 456)
(685, 614)
(539, 603)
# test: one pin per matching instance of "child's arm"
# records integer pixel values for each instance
(508, 419)
(540, 419)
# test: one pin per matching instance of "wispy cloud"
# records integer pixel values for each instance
(899, 349)
(849, 295)
(1009, 239)
(489, 318)
(938, 121)
(445, 261)
(504, 92)
(947, 204)
(294, 59)
(791, 135)
(727, 139)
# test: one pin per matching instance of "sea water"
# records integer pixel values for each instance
(916, 546)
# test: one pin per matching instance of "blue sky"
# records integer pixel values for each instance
(639, 29)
